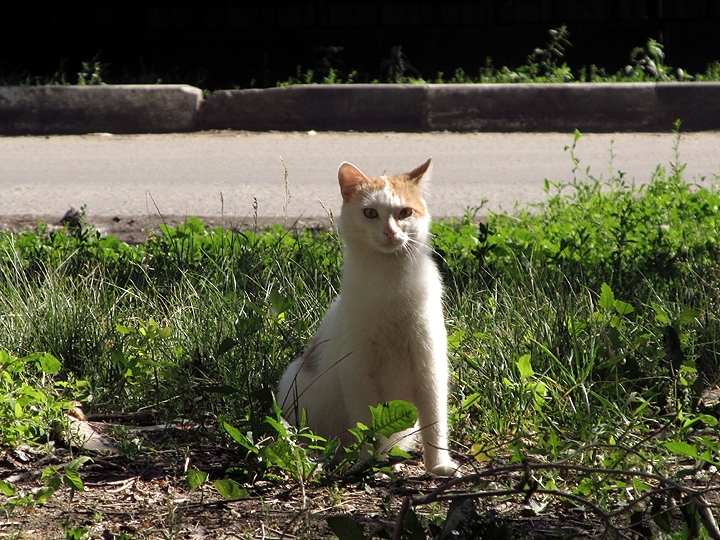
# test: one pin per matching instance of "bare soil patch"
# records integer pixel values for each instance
(135, 229)
(148, 497)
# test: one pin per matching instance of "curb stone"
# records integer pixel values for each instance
(589, 107)
(356, 107)
(62, 110)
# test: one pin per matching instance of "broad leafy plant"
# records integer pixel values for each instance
(33, 400)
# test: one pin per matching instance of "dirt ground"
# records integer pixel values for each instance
(135, 229)
(147, 497)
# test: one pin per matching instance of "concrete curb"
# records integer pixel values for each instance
(358, 107)
(49, 110)
(649, 107)
(456, 107)
(548, 107)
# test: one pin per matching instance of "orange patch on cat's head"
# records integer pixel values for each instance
(353, 180)
(407, 186)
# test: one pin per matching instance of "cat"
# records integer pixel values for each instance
(384, 337)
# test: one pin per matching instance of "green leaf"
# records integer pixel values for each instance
(398, 452)
(688, 316)
(471, 400)
(279, 303)
(164, 333)
(279, 428)
(623, 308)
(255, 307)
(230, 490)
(278, 454)
(524, 367)
(118, 358)
(50, 364)
(682, 448)
(167, 230)
(392, 417)
(120, 329)
(72, 480)
(45, 492)
(711, 421)
(238, 437)
(481, 453)
(660, 314)
(196, 478)
(640, 486)
(195, 225)
(7, 489)
(346, 528)
(585, 487)
(607, 298)
(48, 471)
(663, 521)
(455, 339)
(77, 463)
(227, 344)
(539, 390)
(75, 534)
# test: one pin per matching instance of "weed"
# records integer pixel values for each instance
(146, 357)
(543, 65)
(648, 62)
(91, 73)
(32, 401)
(54, 477)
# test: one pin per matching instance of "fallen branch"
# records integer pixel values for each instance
(528, 488)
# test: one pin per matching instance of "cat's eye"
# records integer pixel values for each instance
(370, 213)
(405, 213)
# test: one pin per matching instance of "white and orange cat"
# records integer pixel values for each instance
(384, 337)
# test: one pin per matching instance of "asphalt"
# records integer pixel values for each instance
(598, 108)
(231, 176)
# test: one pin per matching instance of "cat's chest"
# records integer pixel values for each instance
(387, 314)
(389, 310)
(389, 288)
(388, 326)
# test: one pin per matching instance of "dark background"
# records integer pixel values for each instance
(225, 43)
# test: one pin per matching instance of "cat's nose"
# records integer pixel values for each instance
(390, 231)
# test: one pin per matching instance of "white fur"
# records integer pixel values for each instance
(384, 338)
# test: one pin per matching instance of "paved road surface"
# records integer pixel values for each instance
(185, 174)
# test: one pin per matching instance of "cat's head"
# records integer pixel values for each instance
(384, 213)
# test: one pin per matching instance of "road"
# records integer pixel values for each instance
(213, 174)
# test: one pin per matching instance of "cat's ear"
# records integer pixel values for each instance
(350, 178)
(421, 174)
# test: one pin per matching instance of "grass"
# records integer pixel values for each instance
(236, 306)
(582, 330)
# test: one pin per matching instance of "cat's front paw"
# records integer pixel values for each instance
(449, 468)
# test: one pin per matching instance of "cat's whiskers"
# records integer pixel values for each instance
(428, 245)
(412, 251)
(415, 247)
